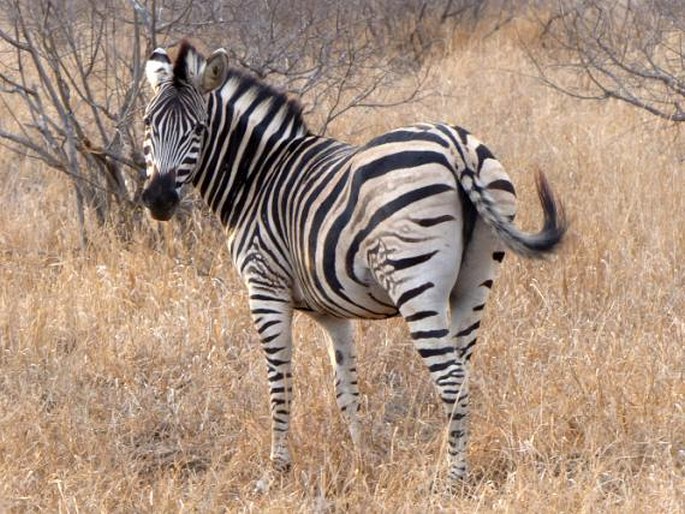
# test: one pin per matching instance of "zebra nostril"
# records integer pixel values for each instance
(160, 196)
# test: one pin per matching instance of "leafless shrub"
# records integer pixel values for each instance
(632, 51)
(70, 81)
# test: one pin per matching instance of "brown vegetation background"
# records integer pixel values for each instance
(132, 380)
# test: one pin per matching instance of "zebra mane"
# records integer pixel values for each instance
(181, 64)
(293, 105)
(187, 64)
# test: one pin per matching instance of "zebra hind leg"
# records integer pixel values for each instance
(426, 315)
(449, 373)
(467, 301)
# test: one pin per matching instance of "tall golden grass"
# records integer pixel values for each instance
(132, 380)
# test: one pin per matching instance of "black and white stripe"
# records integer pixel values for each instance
(413, 223)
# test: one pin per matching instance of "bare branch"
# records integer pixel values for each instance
(629, 51)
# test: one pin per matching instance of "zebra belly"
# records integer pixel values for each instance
(355, 301)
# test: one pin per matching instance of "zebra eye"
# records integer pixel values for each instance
(146, 121)
(199, 128)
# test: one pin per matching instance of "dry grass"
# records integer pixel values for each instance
(132, 380)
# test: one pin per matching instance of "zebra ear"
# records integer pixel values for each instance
(158, 68)
(215, 71)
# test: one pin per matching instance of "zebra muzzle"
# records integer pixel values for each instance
(160, 196)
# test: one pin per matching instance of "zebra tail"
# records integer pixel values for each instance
(530, 245)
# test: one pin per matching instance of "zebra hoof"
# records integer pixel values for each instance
(281, 467)
(263, 485)
(451, 486)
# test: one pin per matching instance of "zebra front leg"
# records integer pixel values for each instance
(273, 319)
(343, 357)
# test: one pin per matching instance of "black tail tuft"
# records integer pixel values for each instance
(555, 223)
(539, 244)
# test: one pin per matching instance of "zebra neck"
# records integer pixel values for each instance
(250, 126)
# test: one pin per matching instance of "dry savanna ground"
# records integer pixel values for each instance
(131, 379)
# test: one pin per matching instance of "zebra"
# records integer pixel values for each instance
(414, 223)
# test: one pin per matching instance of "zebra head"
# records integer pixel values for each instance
(175, 121)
